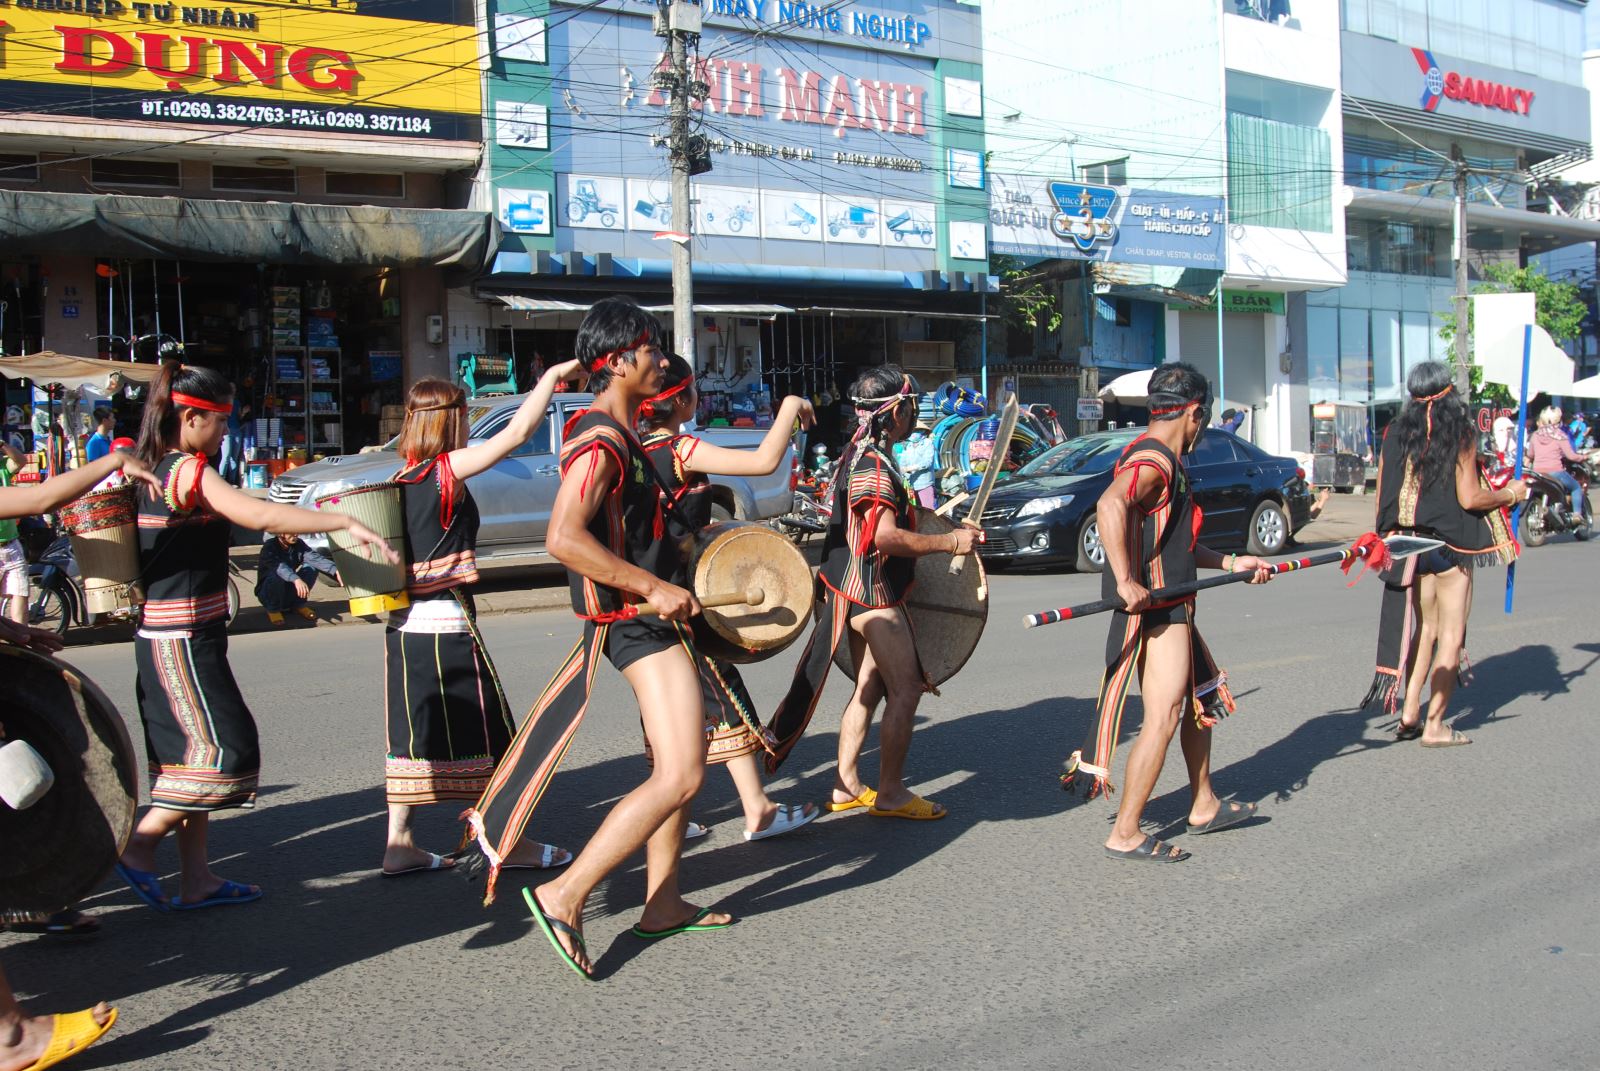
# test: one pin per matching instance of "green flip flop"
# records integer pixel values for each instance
(691, 925)
(551, 927)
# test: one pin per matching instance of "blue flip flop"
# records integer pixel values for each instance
(229, 892)
(146, 886)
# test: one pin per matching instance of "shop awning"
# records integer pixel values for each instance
(270, 232)
(835, 311)
(520, 303)
(46, 367)
(553, 306)
(1538, 230)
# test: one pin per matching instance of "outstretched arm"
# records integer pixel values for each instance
(265, 516)
(471, 460)
(75, 483)
(765, 459)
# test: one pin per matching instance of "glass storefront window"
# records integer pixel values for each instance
(1322, 356)
(1385, 355)
(1355, 356)
(1417, 331)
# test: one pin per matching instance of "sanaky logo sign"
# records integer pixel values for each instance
(1438, 84)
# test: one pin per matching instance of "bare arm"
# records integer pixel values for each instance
(899, 542)
(765, 459)
(1130, 487)
(1478, 498)
(570, 542)
(265, 516)
(75, 483)
(471, 460)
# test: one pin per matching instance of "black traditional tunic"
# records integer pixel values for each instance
(1167, 535)
(448, 719)
(732, 728)
(629, 524)
(855, 576)
(199, 735)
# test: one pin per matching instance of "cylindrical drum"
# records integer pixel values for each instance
(104, 528)
(374, 584)
(737, 556)
(64, 845)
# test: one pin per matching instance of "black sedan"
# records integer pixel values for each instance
(1045, 514)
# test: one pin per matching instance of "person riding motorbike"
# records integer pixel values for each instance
(1548, 447)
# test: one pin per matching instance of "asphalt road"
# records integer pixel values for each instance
(1391, 907)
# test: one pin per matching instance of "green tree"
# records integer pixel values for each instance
(1030, 296)
(1558, 308)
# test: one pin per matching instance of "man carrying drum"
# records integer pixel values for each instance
(1150, 525)
(607, 519)
(868, 557)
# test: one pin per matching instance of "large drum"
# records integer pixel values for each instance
(736, 556)
(947, 612)
(58, 850)
(374, 583)
(104, 530)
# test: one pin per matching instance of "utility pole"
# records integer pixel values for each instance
(679, 22)
(1459, 250)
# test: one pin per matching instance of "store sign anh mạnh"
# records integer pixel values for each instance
(401, 71)
(1032, 216)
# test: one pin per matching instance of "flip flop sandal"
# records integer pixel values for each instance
(145, 885)
(1457, 738)
(435, 862)
(868, 797)
(551, 927)
(789, 818)
(1407, 732)
(229, 892)
(547, 860)
(1230, 814)
(61, 924)
(70, 1034)
(918, 810)
(694, 831)
(1151, 850)
(692, 925)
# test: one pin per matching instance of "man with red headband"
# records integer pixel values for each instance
(1150, 526)
(868, 560)
(606, 521)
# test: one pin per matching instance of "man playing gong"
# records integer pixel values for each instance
(868, 558)
(1150, 526)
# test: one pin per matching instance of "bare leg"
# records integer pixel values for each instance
(23, 1037)
(759, 810)
(1451, 589)
(148, 835)
(1424, 611)
(196, 878)
(17, 608)
(669, 704)
(1165, 679)
(1195, 741)
(857, 720)
(401, 852)
(891, 656)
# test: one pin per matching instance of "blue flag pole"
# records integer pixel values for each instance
(1522, 424)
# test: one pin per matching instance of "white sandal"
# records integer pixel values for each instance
(788, 819)
(694, 831)
(547, 860)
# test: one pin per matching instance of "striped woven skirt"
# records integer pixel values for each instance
(198, 733)
(448, 720)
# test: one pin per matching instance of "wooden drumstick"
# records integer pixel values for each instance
(748, 597)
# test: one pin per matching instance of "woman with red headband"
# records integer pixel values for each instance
(683, 462)
(1430, 483)
(448, 719)
(199, 734)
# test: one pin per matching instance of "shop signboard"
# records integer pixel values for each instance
(1257, 301)
(1091, 409)
(393, 68)
(1052, 217)
(820, 121)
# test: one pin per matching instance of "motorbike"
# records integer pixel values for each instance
(56, 598)
(1548, 510)
(813, 506)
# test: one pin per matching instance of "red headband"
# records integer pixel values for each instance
(1435, 397)
(669, 392)
(1164, 410)
(600, 361)
(189, 400)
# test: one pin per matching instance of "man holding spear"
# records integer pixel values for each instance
(1150, 525)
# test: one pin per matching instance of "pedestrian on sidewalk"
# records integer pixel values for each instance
(606, 523)
(285, 572)
(13, 557)
(1148, 524)
(98, 445)
(199, 734)
(448, 720)
(683, 463)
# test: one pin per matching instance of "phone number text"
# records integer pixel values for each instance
(297, 118)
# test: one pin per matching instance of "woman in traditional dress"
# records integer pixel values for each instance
(1430, 484)
(199, 734)
(683, 463)
(448, 719)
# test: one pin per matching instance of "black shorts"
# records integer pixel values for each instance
(1177, 614)
(629, 641)
(1439, 560)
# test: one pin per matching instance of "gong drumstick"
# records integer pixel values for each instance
(1399, 546)
(748, 597)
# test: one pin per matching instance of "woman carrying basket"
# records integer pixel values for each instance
(448, 719)
(682, 463)
(199, 734)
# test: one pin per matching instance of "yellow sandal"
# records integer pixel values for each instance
(867, 798)
(70, 1034)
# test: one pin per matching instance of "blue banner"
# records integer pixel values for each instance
(1038, 217)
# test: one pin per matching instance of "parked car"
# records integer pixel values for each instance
(515, 496)
(1045, 514)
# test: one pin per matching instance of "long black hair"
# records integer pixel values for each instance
(158, 430)
(872, 389)
(613, 327)
(678, 372)
(1433, 428)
